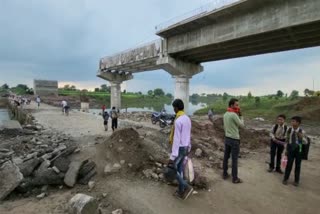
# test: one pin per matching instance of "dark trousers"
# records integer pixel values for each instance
(178, 164)
(294, 155)
(231, 147)
(275, 150)
(114, 124)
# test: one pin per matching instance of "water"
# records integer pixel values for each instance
(192, 108)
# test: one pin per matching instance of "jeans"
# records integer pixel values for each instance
(231, 147)
(275, 149)
(178, 164)
(293, 155)
(114, 123)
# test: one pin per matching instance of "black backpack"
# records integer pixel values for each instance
(305, 147)
(275, 128)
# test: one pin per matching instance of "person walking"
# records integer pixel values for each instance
(38, 101)
(105, 119)
(277, 135)
(180, 138)
(210, 115)
(114, 118)
(295, 138)
(232, 121)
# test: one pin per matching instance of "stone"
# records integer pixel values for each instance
(147, 173)
(104, 195)
(3, 150)
(77, 150)
(27, 168)
(56, 169)
(62, 147)
(6, 155)
(116, 167)
(72, 173)
(154, 176)
(120, 140)
(85, 180)
(198, 152)
(108, 169)
(120, 149)
(91, 185)
(118, 211)
(158, 164)
(86, 168)
(122, 162)
(62, 163)
(32, 155)
(38, 143)
(11, 177)
(211, 158)
(46, 156)
(41, 196)
(83, 204)
(17, 161)
(130, 165)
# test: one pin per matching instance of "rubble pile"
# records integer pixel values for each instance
(33, 158)
(137, 116)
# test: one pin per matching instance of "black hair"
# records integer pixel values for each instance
(297, 118)
(113, 107)
(177, 103)
(233, 101)
(282, 116)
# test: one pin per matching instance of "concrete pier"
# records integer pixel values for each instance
(182, 90)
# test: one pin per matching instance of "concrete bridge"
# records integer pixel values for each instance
(222, 30)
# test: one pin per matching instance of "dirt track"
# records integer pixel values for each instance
(261, 192)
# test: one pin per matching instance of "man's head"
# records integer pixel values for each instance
(113, 108)
(281, 119)
(177, 105)
(296, 121)
(234, 103)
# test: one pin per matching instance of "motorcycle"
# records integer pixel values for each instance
(155, 117)
(166, 120)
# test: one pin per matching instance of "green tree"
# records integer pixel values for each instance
(104, 87)
(66, 87)
(294, 94)
(73, 88)
(280, 93)
(22, 86)
(5, 86)
(225, 97)
(150, 92)
(169, 95)
(96, 89)
(257, 101)
(249, 95)
(158, 92)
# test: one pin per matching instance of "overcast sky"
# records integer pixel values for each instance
(64, 40)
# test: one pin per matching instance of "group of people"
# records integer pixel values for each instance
(19, 101)
(292, 138)
(114, 114)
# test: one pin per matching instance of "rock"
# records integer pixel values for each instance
(91, 185)
(116, 166)
(32, 155)
(62, 147)
(120, 140)
(17, 161)
(86, 168)
(158, 164)
(62, 163)
(10, 178)
(56, 169)
(3, 150)
(77, 150)
(130, 165)
(83, 204)
(120, 149)
(46, 156)
(84, 180)
(108, 169)
(41, 196)
(147, 173)
(26, 168)
(38, 143)
(122, 162)
(161, 176)
(72, 173)
(118, 211)
(44, 188)
(155, 176)
(211, 158)
(104, 195)
(6, 155)
(198, 152)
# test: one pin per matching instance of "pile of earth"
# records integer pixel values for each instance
(137, 116)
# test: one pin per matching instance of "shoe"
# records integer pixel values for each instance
(237, 181)
(187, 192)
(225, 177)
(279, 171)
(285, 182)
(270, 170)
(178, 195)
(296, 184)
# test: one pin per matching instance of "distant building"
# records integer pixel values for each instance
(45, 87)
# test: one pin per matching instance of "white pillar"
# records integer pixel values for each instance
(115, 95)
(182, 90)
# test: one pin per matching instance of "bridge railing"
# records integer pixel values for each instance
(210, 7)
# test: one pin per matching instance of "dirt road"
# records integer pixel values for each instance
(261, 192)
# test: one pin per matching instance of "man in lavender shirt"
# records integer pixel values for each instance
(181, 147)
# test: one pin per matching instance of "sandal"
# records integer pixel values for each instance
(237, 181)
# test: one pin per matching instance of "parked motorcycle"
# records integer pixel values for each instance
(166, 120)
(155, 117)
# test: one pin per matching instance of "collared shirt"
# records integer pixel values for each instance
(231, 123)
(295, 139)
(182, 135)
(280, 132)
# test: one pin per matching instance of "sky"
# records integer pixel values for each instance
(64, 40)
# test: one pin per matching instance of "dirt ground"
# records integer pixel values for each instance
(261, 192)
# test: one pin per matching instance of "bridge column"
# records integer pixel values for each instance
(182, 90)
(115, 99)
